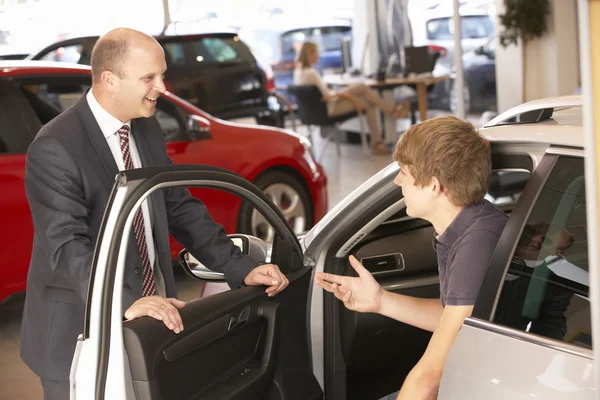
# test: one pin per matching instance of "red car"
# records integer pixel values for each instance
(278, 161)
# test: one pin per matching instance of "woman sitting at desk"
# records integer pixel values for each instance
(305, 74)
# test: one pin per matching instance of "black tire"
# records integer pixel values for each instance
(264, 182)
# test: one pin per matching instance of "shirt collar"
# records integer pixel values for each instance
(108, 123)
(459, 224)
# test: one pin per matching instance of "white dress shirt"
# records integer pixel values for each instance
(110, 126)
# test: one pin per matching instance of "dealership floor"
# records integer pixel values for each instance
(17, 382)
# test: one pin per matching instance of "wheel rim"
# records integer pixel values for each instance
(288, 200)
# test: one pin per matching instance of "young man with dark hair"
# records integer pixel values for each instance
(445, 167)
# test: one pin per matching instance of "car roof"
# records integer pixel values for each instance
(555, 121)
(20, 67)
(160, 38)
(444, 10)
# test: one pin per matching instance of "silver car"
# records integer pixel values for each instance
(529, 335)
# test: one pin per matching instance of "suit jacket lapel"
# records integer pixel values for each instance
(97, 137)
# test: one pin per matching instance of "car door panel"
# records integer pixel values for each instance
(377, 346)
(238, 344)
(550, 374)
(228, 347)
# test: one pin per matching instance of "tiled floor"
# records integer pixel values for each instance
(17, 382)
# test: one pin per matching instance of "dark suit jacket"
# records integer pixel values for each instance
(70, 173)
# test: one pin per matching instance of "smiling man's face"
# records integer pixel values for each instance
(142, 81)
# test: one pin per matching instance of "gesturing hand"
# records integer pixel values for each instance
(268, 275)
(160, 308)
(361, 294)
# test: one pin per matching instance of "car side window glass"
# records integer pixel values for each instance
(170, 121)
(50, 99)
(174, 53)
(546, 289)
(219, 50)
(505, 186)
(71, 54)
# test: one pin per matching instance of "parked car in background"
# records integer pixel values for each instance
(278, 161)
(434, 27)
(277, 43)
(214, 71)
(479, 66)
(529, 335)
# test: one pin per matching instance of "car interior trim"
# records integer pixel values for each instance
(560, 151)
(368, 228)
(412, 283)
(529, 337)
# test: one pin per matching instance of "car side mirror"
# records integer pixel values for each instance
(198, 127)
(480, 51)
(253, 247)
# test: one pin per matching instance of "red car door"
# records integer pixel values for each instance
(18, 128)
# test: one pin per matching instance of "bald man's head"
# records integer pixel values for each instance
(128, 70)
(113, 49)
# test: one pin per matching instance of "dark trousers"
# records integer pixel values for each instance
(55, 390)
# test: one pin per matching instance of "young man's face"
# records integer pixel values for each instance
(417, 200)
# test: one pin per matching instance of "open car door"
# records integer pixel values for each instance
(238, 344)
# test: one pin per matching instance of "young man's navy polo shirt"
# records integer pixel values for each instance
(464, 251)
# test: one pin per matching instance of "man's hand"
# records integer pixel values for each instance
(361, 294)
(268, 275)
(160, 308)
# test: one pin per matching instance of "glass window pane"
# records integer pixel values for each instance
(547, 285)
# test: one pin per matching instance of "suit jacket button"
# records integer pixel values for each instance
(137, 271)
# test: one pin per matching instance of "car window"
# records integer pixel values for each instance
(505, 186)
(327, 38)
(171, 121)
(219, 50)
(18, 122)
(473, 27)
(174, 53)
(206, 51)
(546, 289)
(50, 98)
(72, 54)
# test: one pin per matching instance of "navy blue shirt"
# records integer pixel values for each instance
(464, 251)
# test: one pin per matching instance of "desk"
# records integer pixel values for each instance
(420, 82)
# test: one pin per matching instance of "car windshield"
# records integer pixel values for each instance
(473, 27)
(328, 38)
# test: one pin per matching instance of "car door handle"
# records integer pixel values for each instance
(238, 319)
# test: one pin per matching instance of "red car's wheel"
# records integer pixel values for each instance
(292, 198)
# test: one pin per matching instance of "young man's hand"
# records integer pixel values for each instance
(160, 308)
(361, 294)
(268, 275)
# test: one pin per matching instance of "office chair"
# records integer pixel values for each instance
(312, 112)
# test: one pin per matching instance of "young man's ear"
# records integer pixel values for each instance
(436, 186)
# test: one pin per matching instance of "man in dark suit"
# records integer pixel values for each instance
(71, 166)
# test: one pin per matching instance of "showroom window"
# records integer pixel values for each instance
(546, 289)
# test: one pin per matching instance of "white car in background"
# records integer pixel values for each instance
(529, 335)
(433, 26)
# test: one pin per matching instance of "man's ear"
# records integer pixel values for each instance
(436, 186)
(109, 80)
